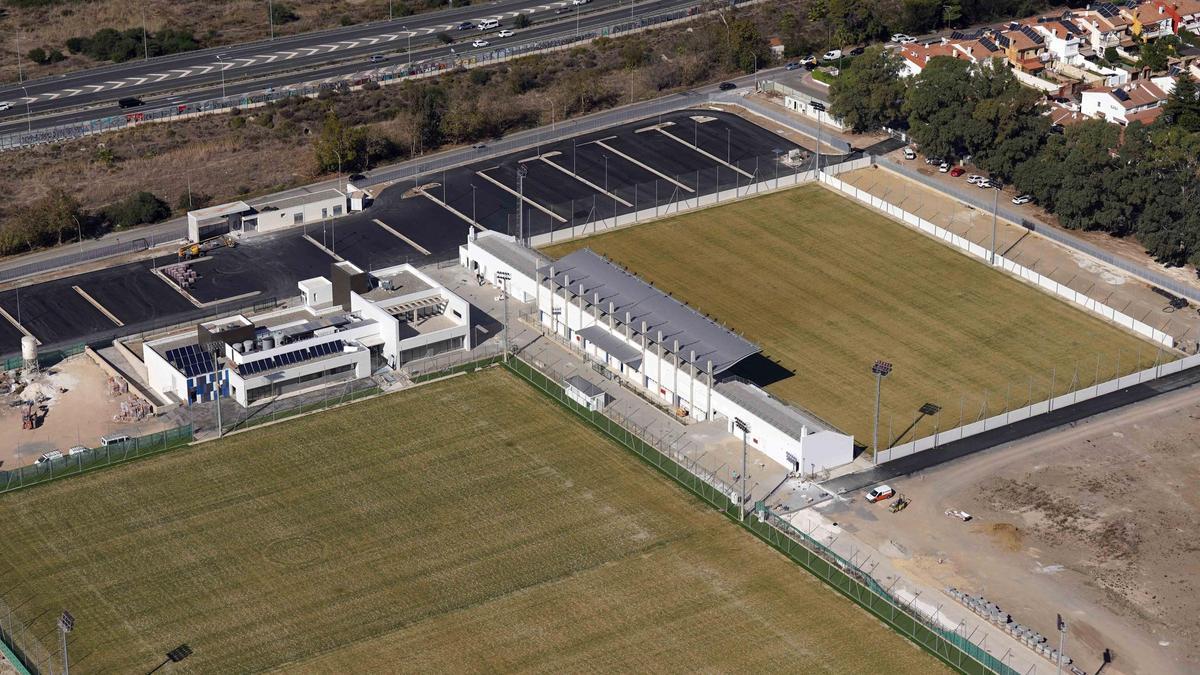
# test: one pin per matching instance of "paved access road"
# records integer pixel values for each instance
(299, 58)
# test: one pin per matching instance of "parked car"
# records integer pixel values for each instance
(466, 25)
(505, 33)
(832, 55)
(944, 167)
(900, 37)
(356, 176)
(856, 51)
(987, 184)
(562, 10)
(909, 153)
(792, 66)
(6, 105)
(376, 58)
(957, 171)
(1022, 199)
(726, 86)
(480, 43)
(881, 493)
(48, 457)
(933, 161)
(77, 450)
(580, 2)
(809, 60)
(975, 179)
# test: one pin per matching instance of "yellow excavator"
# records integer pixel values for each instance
(189, 251)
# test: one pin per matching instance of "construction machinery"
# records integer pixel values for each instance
(900, 504)
(189, 251)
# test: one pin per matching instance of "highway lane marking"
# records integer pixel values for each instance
(290, 55)
(585, 181)
(518, 195)
(403, 238)
(185, 71)
(95, 87)
(17, 325)
(707, 154)
(647, 167)
(73, 92)
(103, 310)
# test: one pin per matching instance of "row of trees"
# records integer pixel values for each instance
(109, 44)
(58, 217)
(1138, 180)
(851, 22)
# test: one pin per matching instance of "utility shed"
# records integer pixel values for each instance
(584, 393)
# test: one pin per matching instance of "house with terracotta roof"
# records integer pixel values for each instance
(1105, 26)
(1149, 20)
(914, 57)
(1062, 37)
(1184, 14)
(1140, 100)
(1023, 47)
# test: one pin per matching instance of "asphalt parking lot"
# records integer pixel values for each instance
(567, 183)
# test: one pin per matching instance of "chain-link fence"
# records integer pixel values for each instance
(450, 363)
(948, 645)
(81, 460)
(20, 646)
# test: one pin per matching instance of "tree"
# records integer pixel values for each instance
(869, 92)
(38, 56)
(338, 147)
(747, 48)
(281, 13)
(522, 20)
(939, 105)
(138, 208)
(951, 11)
(1182, 108)
(1014, 115)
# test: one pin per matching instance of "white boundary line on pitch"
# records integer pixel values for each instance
(403, 238)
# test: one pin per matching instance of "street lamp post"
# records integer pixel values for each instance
(881, 370)
(271, 16)
(605, 172)
(1062, 641)
(504, 277)
(995, 207)
(219, 56)
(820, 108)
(745, 429)
(473, 221)
(28, 114)
(521, 173)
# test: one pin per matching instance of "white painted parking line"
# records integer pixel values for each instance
(451, 209)
(518, 195)
(18, 326)
(581, 179)
(647, 167)
(696, 148)
(103, 310)
(403, 238)
(324, 248)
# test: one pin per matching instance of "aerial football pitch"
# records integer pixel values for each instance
(469, 524)
(827, 287)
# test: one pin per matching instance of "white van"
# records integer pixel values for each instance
(115, 439)
(77, 450)
(49, 457)
(488, 24)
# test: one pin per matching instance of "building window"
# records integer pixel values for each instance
(297, 218)
(337, 210)
(324, 213)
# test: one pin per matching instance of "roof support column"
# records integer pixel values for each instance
(710, 388)
(659, 351)
(566, 315)
(675, 386)
(553, 319)
(692, 384)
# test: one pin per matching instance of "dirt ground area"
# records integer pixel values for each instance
(81, 405)
(1095, 521)
(1083, 273)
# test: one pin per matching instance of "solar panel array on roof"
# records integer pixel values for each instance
(1107, 10)
(1002, 40)
(1121, 94)
(988, 45)
(290, 358)
(190, 360)
(963, 35)
(593, 277)
(1032, 35)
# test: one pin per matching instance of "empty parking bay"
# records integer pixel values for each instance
(54, 312)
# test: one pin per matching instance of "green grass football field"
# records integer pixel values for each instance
(826, 287)
(465, 525)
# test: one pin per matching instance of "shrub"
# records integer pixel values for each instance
(281, 13)
(139, 208)
(522, 21)
(38, 56)
(345, 20)
(444, 38)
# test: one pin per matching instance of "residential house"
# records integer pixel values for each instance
(915, 56)
(1105, 26)
(777, 47)
(976, 46)
(1149, 20)
(1023, 47)
(1184, 14)
(1062, 38)
(1140, 100)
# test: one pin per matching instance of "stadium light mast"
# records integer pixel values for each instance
(820, 108)
(745, 429)
(504, 276)
(66, 623)
(522, 171)
(1062, 641)
(881, 370)
(995, 207)
(215, 348)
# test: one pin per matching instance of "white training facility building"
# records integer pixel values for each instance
(348, 326)
(675, 356)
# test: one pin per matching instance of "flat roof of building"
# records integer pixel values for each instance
(593, 276)
(583, 386)
(220, 210)
(307, 198)
(402, 283)
(509, 252)
(787, 418)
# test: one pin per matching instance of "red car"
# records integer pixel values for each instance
(957, 171)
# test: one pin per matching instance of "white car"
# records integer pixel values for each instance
(6, 105)
(832, 55)
(808, 61)
(909, 153)
(48, 457)
(1022, 199)
(900, 37)
(480, 43)
(580, 2)
(881, 493)
(975, 179)
(505, 33)
(944, 167)
(986, 183)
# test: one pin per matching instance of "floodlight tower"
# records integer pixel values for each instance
(745, 429)
(522, 171)
(881, 370)
(66, 623)
(504, 277)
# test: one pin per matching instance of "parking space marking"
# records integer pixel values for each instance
(403, 238)
(703, 152)
(518, 195)
(585, 181)
(651, 169)
(103, 310)
(429, 195)
(321, 246)
(17, 325)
